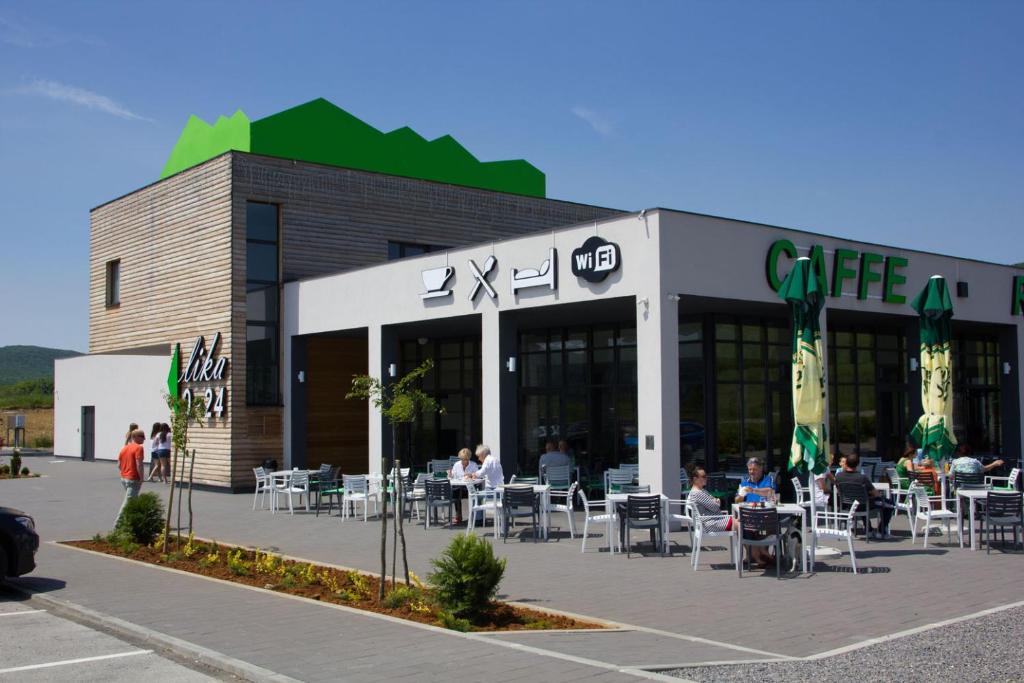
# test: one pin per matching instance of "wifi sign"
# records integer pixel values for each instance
(596, 259)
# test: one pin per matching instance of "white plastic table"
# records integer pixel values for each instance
(972, 496)
(613, 499)
(544, 491)
(791, 509)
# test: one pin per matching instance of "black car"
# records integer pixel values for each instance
(18, 543)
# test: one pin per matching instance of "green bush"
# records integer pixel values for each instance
(15, 463)
(42, 442)
(25, 472)
(467, 577)
(143, 518)
(5, 470)
(448, 620)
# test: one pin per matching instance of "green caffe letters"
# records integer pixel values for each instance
(852, 271)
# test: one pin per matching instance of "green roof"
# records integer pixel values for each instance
(324, 133)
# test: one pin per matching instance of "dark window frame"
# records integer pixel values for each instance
(112, 271)
(275, 396)
(402, 247)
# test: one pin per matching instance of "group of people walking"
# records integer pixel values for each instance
(131, 460)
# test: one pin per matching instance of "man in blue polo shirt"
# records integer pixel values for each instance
(757, 485)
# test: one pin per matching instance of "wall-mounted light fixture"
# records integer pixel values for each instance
(423, 341)
(1007, 368)
(672, 297)
(392, 370)
(511, 364)
(913, 365)
(301, 376)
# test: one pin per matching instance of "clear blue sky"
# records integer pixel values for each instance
(892, 122)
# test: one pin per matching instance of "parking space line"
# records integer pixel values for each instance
(80, 660)
(26, 611)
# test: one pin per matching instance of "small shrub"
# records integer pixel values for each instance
(143, 518)
(360, 585)
(450, 621)
(329, 580)
(191, 547)
(209, 560)
(25, 472)
(123, 541)
(467, 577)
(236, 564)
(399, 597)
(5, 470)
(15, 463)
(288, 581)
(45, 441)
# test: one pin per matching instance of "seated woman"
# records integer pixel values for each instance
(459, 471)
(905, 465)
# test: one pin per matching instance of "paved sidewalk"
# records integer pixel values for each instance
(675, 616)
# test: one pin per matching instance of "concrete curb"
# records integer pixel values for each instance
(140, 635)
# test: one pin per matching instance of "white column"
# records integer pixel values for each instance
(657, 339)
(492, 367)
(375, 368)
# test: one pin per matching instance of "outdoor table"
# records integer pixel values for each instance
(784, 510)
(544, 491)
(614, 499)
(972, 496)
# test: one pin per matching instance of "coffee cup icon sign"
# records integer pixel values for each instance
(434, 280)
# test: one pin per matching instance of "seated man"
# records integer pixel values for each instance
(968, 464)
(850, 474)
(757, 486)
(552, 458)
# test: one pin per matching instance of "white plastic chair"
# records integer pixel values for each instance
(834, 525)
(296, 483)
(632, 468)
(357, 490)
(484, 502)
(599, 515)
(263, 487)
(701, 532)
(926, 514)
(567, 505)
(1008, 483)
(684, 516)
(615, 478)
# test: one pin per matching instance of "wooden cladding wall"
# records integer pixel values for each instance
(337, 429)
(173, 239)
(335, 219)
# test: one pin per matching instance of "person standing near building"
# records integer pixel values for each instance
(155, 469)
(128, 435)
(130, 464)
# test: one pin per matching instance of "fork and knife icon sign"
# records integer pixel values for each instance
(481, 278)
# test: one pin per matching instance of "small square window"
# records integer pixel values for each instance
(113, 283)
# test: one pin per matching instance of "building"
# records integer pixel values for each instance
(653, 337)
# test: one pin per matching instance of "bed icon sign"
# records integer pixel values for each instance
(596, 259)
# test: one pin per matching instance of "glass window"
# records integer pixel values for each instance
(262, 304)
(113, 283)
(261, 222)
(397, 250)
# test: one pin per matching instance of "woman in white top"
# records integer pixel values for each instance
(460, 470)
(155, 469)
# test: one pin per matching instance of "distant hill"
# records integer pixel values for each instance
(21, 363)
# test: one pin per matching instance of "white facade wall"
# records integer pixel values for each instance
(122, 388)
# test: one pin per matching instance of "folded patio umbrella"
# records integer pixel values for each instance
(802, 290)
(933, 432)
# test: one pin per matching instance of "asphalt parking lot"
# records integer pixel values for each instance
(39, 646)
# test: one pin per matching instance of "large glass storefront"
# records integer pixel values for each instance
(455, 383)
(977, 417)
(868, 391)
(578, 384)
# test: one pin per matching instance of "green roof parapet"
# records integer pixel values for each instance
(324, 133)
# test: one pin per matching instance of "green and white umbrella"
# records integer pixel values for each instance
(934, 430)
(803, 291)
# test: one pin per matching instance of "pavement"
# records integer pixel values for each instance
(667, 616)
(50, 648)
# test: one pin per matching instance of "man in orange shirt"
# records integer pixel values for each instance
(129, 461)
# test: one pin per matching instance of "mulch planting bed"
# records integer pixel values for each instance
(316, 582)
